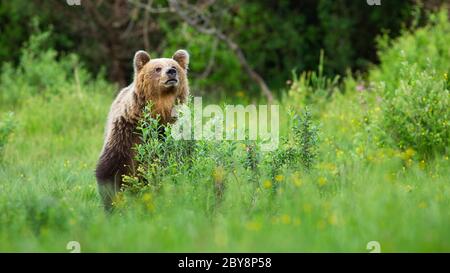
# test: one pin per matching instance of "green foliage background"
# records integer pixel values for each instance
(276, 37)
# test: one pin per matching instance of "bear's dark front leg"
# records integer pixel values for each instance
(108, 190)
(116, 160)
(110, 168)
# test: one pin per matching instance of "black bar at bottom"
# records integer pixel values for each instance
(221, 262)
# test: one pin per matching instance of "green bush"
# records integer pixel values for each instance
(417, 114)
(6, 128)
(159, 155)
(412, 82)
(42, 72)
(161, 158)
(312, 87)
(301, 146)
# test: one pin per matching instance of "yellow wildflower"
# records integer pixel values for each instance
(359, 150)
(218, 174)
(279, 178)
(333, 219)
(422, 164)
(339, 153)
(148, 202)
(409, 153)
(422, 205)
(322, 181)
(267, 184)
(297, 181)
(253, 226)
(285, 219)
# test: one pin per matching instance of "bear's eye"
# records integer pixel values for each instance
(158, 69)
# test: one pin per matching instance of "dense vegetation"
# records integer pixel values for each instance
(367, 160)
(275, 36)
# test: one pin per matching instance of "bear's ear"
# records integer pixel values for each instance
(140, 59)
(182, 58)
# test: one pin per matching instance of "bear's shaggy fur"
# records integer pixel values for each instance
(163, 82)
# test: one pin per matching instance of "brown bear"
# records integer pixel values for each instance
(162, 81)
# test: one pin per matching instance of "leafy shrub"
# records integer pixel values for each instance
(6, 128)
(301, 146)
(42, 72)
(313, 87)
(306, 138)
(161, 158)
(413, 85)
(417, 114)
(159, 155)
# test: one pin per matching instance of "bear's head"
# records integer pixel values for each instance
(163, 77)
(162, 81)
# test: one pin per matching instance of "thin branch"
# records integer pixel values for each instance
(148, 7)
(211, 61)
(202, 24)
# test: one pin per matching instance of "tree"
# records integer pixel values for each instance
(206, 19)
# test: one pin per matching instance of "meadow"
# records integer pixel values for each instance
(367, 162)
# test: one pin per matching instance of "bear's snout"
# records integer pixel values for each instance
(172, 77)
(172, 72)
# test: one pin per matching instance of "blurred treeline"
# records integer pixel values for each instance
(270, 38)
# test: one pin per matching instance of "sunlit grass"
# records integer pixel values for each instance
(356, 194)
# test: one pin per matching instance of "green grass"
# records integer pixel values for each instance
(48, 195)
